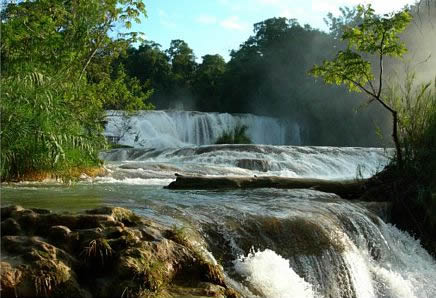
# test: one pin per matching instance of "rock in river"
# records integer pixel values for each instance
(105, 252)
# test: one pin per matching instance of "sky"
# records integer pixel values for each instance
(218, 26)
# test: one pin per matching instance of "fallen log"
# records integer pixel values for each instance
(347, 189)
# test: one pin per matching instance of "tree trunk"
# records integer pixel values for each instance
(396, 139)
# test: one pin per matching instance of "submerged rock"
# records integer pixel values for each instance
(260, 165)
(107, 252)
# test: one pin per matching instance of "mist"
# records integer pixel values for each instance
(268, 76)
(420, 39)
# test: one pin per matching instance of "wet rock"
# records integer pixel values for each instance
(127, 217)
(32, 267)
(107, 252)
(260, 165)
(59, 232)
(347, 189)
(10, 227)
(40, 211)
(7, 211)
(381, 209)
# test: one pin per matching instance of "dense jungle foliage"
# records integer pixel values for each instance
(237, 135)
(57, 62)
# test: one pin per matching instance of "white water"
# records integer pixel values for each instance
(364, 257)
(376, 260)
(173, 129)
(271, 275)
(247, 160)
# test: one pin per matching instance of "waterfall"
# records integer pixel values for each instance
(248, 160)
(310, 245)
(172, 129)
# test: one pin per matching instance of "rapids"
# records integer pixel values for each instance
(272, 243)
(246, 160)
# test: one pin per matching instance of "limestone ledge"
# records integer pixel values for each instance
(104, 252)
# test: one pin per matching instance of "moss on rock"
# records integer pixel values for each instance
(107, 252)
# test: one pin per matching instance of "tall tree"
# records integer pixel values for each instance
(182, 60)
(375, 36)
(208, 82)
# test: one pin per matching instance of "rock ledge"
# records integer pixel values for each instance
(104, 252)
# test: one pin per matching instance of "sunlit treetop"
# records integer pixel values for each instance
(375, 35)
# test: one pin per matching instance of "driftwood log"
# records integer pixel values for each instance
(347, 189)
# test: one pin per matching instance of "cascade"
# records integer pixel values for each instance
(271, 242)
(170, 129)
(248, 160)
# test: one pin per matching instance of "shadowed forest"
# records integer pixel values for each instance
(268, 75)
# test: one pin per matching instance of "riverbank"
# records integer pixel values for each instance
(104, 252)
(74, 173)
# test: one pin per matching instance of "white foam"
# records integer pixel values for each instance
(286, 161)
(132, 181)
(271, 275)
(359, 270)
(392, 284)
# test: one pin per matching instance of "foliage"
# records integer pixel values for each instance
(337, 25)
(123, 92)
(41, 128)
(208, 82)
(57, 61)
(98, 251)
(416, 106)
(182, 60)
(412, 188)
(374, 36)
(236, 136)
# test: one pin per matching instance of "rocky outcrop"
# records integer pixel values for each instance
(260, 165)
(105, 252)
(350, 189)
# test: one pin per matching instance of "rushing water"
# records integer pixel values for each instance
(164, 129)
(272, 243)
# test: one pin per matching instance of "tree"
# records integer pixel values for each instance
(52, 103)
(150, 66)
(349, 17)
(182, 60)
(208, 82)
(376, 35)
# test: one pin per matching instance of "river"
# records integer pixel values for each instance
(271, 243)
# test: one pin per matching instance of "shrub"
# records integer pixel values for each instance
(416, 106)
(236, 136)
(47, 125)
